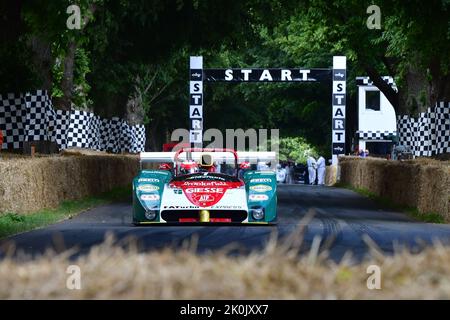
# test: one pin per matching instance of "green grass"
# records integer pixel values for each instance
(13, 223)
(384, 202)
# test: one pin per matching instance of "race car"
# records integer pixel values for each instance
(189, 187)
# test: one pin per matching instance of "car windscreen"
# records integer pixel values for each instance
(206, 176)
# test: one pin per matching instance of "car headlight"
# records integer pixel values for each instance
(257, 213)
(150, 214)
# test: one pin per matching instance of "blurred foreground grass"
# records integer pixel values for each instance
(12, 223)
(275, 272)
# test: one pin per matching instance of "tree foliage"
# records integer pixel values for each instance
(296, 149)
(130, 58)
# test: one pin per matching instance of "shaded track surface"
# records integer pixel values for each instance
(341, 219)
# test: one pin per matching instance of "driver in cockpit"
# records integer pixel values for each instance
(188, 166)
(206, 163)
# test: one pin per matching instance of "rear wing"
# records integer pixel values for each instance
(219, 157)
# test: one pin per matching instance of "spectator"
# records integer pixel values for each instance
(321, 169)
(362, 153)
(262, 166)
(289, 173)
(312, 166)
(281, 174)
(243, 168)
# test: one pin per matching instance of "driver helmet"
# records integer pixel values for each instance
(165, 166)
(244, 165)
(188, 166)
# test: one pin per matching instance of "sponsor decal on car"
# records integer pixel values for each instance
(204, 190)
(206, 177)
(148, 180)
(260, 180)
(205, 183)
(162, 173)
(227, 207)
(261, 188)
(181, 207)
(147, 188)
(258, 197)
(205, 193)
(150, 197)
(204, 198)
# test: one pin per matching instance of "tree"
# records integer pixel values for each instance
(16, 69)
(413, 40)
(417, 40)
(296, 149)
(131, 58)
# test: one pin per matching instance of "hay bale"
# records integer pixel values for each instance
(435, 190)
(420, 183)
(331, 175)
(82, 152)
(31, 184)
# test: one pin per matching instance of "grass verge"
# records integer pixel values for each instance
(389, 204)
(13, 223)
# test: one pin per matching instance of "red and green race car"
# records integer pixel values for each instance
(203, 186)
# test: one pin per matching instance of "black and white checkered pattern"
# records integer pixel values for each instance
(12, 120)
(94, 132)
(114, 143)
(60, 123)
(366, 81)
(104, 133)
(442, 127)
(37, 120)
(31, 117)
(138, 134)
(429, 134)
(375, 135)
(79, 130)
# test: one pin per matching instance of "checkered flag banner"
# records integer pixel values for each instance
(31, 117)
(366, 81)
(429, 133)
(375, 135)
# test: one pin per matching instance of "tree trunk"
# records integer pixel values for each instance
(444, 91)
(439, 85)
(134, 110)
(153, 141)
(418, 93)
(65, 102)
(43, 60)
(387, 90)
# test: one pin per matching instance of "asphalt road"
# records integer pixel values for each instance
(341, 219)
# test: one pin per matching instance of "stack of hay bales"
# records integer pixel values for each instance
(30, 184)
(422, 183)
(331, 175)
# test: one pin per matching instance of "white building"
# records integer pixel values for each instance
(376, 117)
